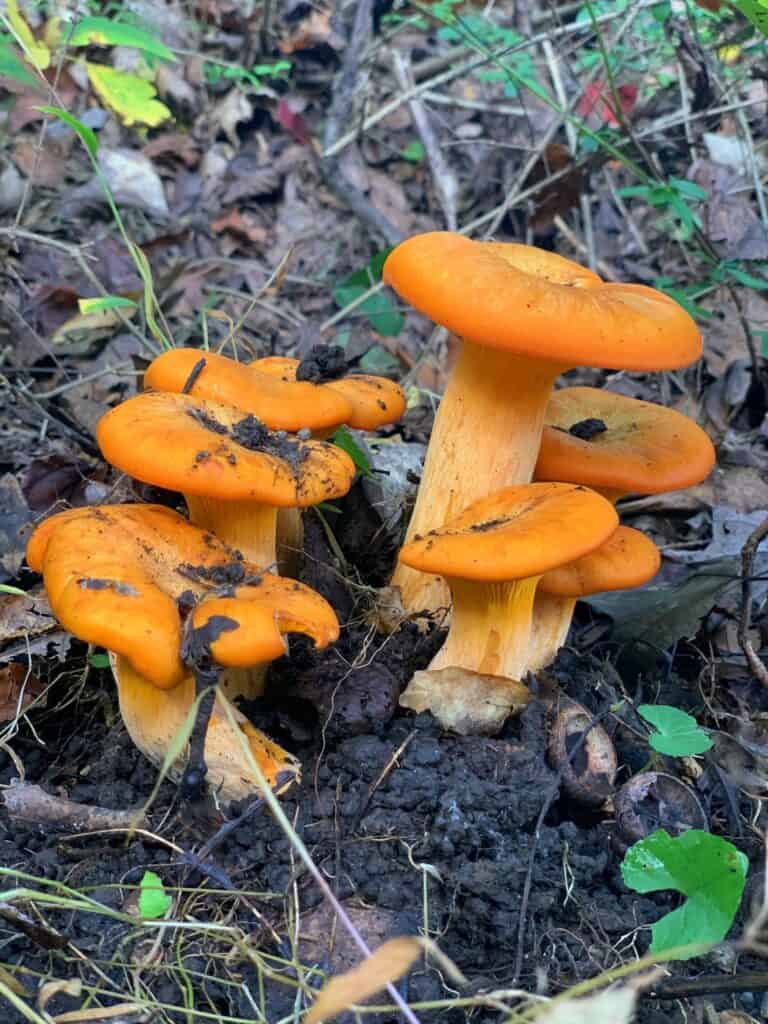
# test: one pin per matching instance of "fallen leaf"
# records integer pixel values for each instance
(732, 151)
(388, 963)
(465, 702)
(128, 96)
(84, 329)
(563, 194)
(292, 122)
(616, 1006)
(18, 688)
(313, 31)
(15, 516)
(133, 181)
(597, 103)
(175, 144)
(241, 224)
(11, 187)
(729, 217)
(229, 112)
(730, 532)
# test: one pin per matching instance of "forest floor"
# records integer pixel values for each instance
(301, 143)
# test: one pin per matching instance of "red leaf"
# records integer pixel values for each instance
(598, 101)
(292, 122)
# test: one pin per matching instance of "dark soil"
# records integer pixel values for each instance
(322, 363)
(413, 827)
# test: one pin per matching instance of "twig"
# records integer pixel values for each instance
(707, 985)
(339, 116)
(27, 802)
(748, 554)
(446, 184)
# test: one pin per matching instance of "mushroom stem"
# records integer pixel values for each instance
(490, 627)
(549, 629)
(486, 437)
(249, 527)
(154, 717)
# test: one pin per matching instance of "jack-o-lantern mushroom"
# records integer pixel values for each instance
(492, 557)
(315, 394)
(627, 559)
(523, 316)
(233, 472)
(618, 446)
(137, 580)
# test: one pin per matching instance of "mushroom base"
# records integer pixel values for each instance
(155, 717)
(486, 437)
(490, 628)
(248, 527)
(549, 629)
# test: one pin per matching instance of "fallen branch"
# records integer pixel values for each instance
(27, 802)
(339, 117)
(748, 554)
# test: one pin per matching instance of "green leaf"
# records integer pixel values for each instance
(678, 733)
(104, 302)
(689, 189)
(11, 64)
(87, 137)
(414, 152)
(382, 314)
(756, 11)
(344, 440)
(709, 871)
(154, 901)
(5, 588)
(98, 660)
(129, 96)
(104, 32)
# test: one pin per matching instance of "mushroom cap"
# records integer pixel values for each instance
(374, 401)
(279, 405)
(627, 559)
(187, 444)
(537, 304)
(515, 533)
(114, 574)
(646, 448)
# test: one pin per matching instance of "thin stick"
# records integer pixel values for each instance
(446, 185)
(748, 554)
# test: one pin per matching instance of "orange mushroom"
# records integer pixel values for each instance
(274, 390)
(627, 559)
(120, 577)
(492, 557)
(620, 445)
(374, 401)
(278, 405)
(232, 471)
(524, 316)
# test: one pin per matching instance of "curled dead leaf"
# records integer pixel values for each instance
(18, 688)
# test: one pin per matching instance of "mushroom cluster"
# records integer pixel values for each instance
(507, 556)
(192, 610)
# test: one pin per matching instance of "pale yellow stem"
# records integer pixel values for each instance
(490, 627)
(551, 622)
(154, 718)
(249, 527)
(486, 436)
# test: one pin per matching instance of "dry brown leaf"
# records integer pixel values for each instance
(388, 963)
(176, 144)
(18, 688)
(313, 31)
(241, 224)
(27, 616)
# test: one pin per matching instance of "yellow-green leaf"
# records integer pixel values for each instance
(35, 52)
(129, 96)
(388, 963)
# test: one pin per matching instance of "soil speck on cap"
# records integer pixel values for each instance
(322, 363)
(588, 429)
(232, 573)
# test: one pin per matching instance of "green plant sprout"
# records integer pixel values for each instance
(677, 733)
(672, 199)
(379, 309)
(256, 76)
(708, 870)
